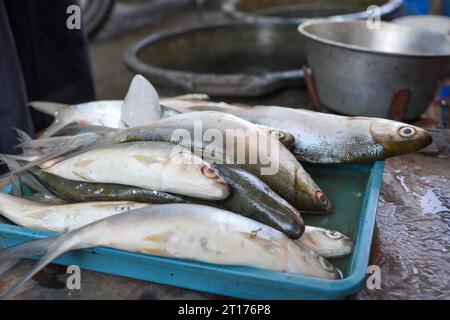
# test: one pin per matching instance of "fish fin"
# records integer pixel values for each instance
(141, 105)
(46, 142)
(16, 187)
(50, 108)
(22, 135)
(25, 177)
(10, 256)
(49, 248)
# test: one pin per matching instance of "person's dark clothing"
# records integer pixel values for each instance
(40, 59)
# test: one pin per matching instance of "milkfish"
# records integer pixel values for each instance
(42, 213)
(184, 231)
(325, 138)
(275, 165)
(249, 197)
(156, 166)
(63, 217)
(72, 129)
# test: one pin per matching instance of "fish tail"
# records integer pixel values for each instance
(16, 188)
(65, 145)
(49, 248)
(24, 177)
(50, 108)
(22, 135)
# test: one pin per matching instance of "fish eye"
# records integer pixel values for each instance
(209, 172)
(407, 132)
(277, 134)
(326, 265)
(333, 235)
(321, 197)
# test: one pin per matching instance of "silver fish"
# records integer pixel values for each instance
(60, 218)
(275, 165)
(151, 165)
(325, 138)
(185, 231)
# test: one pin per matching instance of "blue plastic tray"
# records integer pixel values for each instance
(354, 191)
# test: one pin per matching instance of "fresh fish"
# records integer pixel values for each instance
(326, 243)
(73, 129)
(152, 165)
(197, 131)
(102, 113)
(77, 191)
(326, 138)
(60, 218)
(249, 197)
(182, 231)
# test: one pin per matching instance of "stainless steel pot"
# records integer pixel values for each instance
(226, 59)
(358, 70)
(298, 11)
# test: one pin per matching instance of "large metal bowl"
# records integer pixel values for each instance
(298, 11)
(227, 59)
(429, 22)
(357, 70)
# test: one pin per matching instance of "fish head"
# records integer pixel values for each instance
(196, 175)
(398, 138)
(327, 243)
(314, 200)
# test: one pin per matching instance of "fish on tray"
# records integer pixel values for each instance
(249, 196)
(321, 137)
(156, 166)
(278, 168)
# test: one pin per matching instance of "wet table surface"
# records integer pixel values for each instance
(411, 242)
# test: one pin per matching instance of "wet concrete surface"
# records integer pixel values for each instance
(411, 242)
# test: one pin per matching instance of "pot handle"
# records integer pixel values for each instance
(312, 90)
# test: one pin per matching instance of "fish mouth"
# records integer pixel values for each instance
(296, 231)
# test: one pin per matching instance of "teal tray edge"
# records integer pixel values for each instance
(233, 281)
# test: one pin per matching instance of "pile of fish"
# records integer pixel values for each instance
(102, 178)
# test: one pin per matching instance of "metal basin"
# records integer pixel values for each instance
(232, 59)
(300, 10)
(357, 70)
(429, 22)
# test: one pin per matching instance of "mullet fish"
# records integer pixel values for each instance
(321, 137)
(249, 196)
(275, 166)
(182, 231)
(149, 165)
(65, 217)
(60, 218)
